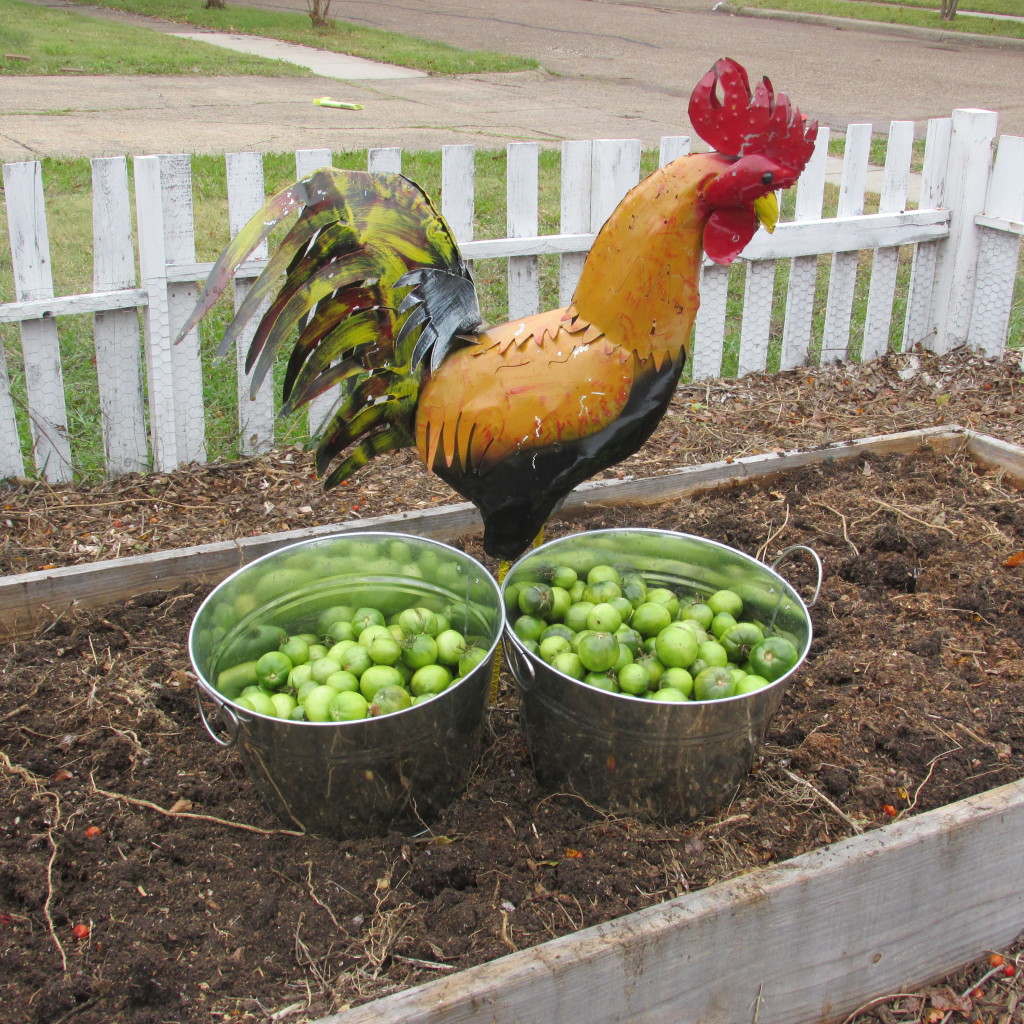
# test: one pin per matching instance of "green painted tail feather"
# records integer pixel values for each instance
(335, 290)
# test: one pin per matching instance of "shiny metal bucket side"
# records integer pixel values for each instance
(668, 762)
(351, 779)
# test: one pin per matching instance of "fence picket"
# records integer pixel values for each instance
(577, 167)
(709, 327)
(149, 215)
(803, 270)
(44, 382)
(999, 250)
(458, 183)
(384, 160)
(116, 333)
(521, 218)
(885, 263)
(970, 155)
(842, 281)
(616, 169)
(320, 409)
(180, 249)
(246, 194)
(919, 325)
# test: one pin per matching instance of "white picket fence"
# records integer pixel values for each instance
(965, 231)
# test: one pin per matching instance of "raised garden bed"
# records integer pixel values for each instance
(798, 903)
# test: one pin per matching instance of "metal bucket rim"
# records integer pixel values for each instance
(685, 707)
(244, 715)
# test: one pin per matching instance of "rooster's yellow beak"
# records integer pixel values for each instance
(767, 210)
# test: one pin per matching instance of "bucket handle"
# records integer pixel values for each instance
(229, 718)
(522, 668)
(817, 561)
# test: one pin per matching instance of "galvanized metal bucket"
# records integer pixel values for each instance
(669, 762)
(349, 779)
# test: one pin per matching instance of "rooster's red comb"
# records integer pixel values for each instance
(742, 122)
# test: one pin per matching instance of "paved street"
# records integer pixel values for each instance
(612, 68)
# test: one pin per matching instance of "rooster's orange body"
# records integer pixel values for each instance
(513, 416)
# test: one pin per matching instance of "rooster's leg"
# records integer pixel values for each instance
(503, 567)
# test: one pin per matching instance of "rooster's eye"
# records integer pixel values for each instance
(767, 178)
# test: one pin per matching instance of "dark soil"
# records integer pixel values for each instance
(121, 817)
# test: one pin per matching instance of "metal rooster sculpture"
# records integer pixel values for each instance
(513, 416)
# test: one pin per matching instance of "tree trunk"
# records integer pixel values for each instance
(319, 13)
(948, 10)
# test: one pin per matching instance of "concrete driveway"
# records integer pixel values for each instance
(612, 68)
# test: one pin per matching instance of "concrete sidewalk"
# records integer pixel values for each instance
(617, 70)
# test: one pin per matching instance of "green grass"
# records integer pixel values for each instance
(68, 192)
(916, 14)
(55, 40)
(975, 6)
(341, 37)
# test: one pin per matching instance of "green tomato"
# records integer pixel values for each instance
(420, 650)
(451, 646)
(260, 701)
(713, 653)
(604, 618)
(356, 659)
(366, 616)
(576, 615)
(299, 675)
(337, 650)
(563, 576)
(430, 679)
(633, 679)
(317, 651)
(650, 618)
(368, 635)
(634, 589)
(272, 670)
(598, 651)
(329, 616)
(602, 681)
(676, 646)
(418, 620)
(748, 683)
(631, 638)
(390, 699)
(342, 681)
(552, 646)
(738, 640)
(772, 658)
(698, 612)
(557, 629)
(664, 596)
(528, 627)
(568, 663)
(713, 684)
(340, 630)
(536, 599)
(679, 678)
(318, 703)
(284, 704)
(654, 668)
(602, 591)
(296, 650)
(560, 604)
(726, 601)
(320, 669)
(474, 655)
(721, 622)
(384, 650)
(348, 706)
(376, 677)
(625, 658)
(604, 573)
(669, 694)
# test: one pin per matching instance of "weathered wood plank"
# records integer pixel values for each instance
(807, 940)
(40, 347)
(577, 167)
(246, 194)
(31, 598)
(116, 333)
(521, 219)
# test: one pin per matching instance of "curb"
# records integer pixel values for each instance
(856, 25)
